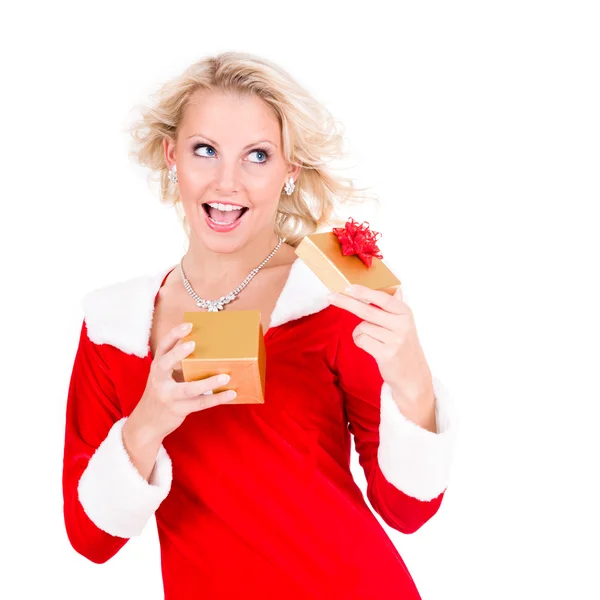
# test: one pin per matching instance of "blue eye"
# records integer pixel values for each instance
(198, 146)
(264, 153)
(260, 151)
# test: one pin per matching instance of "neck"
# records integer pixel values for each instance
(220, 272)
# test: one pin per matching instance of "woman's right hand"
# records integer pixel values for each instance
(166, 403)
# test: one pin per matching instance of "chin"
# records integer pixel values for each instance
(222, 242)
(217, 242)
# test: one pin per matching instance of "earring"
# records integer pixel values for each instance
(173, 174)
(289, 186)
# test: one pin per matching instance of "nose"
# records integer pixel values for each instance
(227, 176)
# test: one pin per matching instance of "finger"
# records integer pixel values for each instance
(367, 312)
(171, 338)
(390, 303)
(189, 389)
(381, 334)
(205, 401)
(174, 356)
(368, 344)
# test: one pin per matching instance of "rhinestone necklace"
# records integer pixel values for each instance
(216, 305)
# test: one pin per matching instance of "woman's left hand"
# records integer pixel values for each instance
(388, 333)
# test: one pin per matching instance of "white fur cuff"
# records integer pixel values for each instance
(112, 491)
(412, 459)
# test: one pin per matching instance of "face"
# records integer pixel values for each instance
(229, 151)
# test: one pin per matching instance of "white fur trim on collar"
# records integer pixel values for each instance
(121, 313)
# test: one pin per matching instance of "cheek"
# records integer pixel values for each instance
(265, 197)
(192, 186)
(263, 188)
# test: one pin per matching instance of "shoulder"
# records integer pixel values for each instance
(120, 313)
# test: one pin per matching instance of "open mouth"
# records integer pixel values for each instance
(224, 217)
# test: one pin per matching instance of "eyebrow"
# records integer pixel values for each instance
(217, 145)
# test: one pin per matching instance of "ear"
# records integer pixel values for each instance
(294, 171)
(169, 149)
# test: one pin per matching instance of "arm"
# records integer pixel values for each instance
(405, 465)
(105, 499)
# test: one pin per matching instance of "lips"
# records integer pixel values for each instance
(223, 227)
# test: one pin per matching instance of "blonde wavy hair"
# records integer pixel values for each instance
(311, 139)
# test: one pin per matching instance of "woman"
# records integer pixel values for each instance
(252, 499)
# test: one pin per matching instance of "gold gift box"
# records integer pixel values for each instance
(322, 253)
(230, 342)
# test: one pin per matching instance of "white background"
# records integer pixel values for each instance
(476, 123)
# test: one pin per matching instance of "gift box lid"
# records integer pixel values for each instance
(323, 251)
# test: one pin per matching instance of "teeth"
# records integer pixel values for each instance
(227, 207)
(224, 207)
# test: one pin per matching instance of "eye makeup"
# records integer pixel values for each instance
(264, 151)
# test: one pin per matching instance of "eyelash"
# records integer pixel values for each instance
(263, 150)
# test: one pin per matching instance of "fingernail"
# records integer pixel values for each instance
(230, 395)
(189, 345)
(186, 326)
(223, 379)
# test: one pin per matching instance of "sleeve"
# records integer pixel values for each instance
(105, 499)
(406, 466)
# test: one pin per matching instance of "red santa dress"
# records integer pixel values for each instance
(253, 501)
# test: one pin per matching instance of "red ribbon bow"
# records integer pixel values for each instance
(358, 239)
